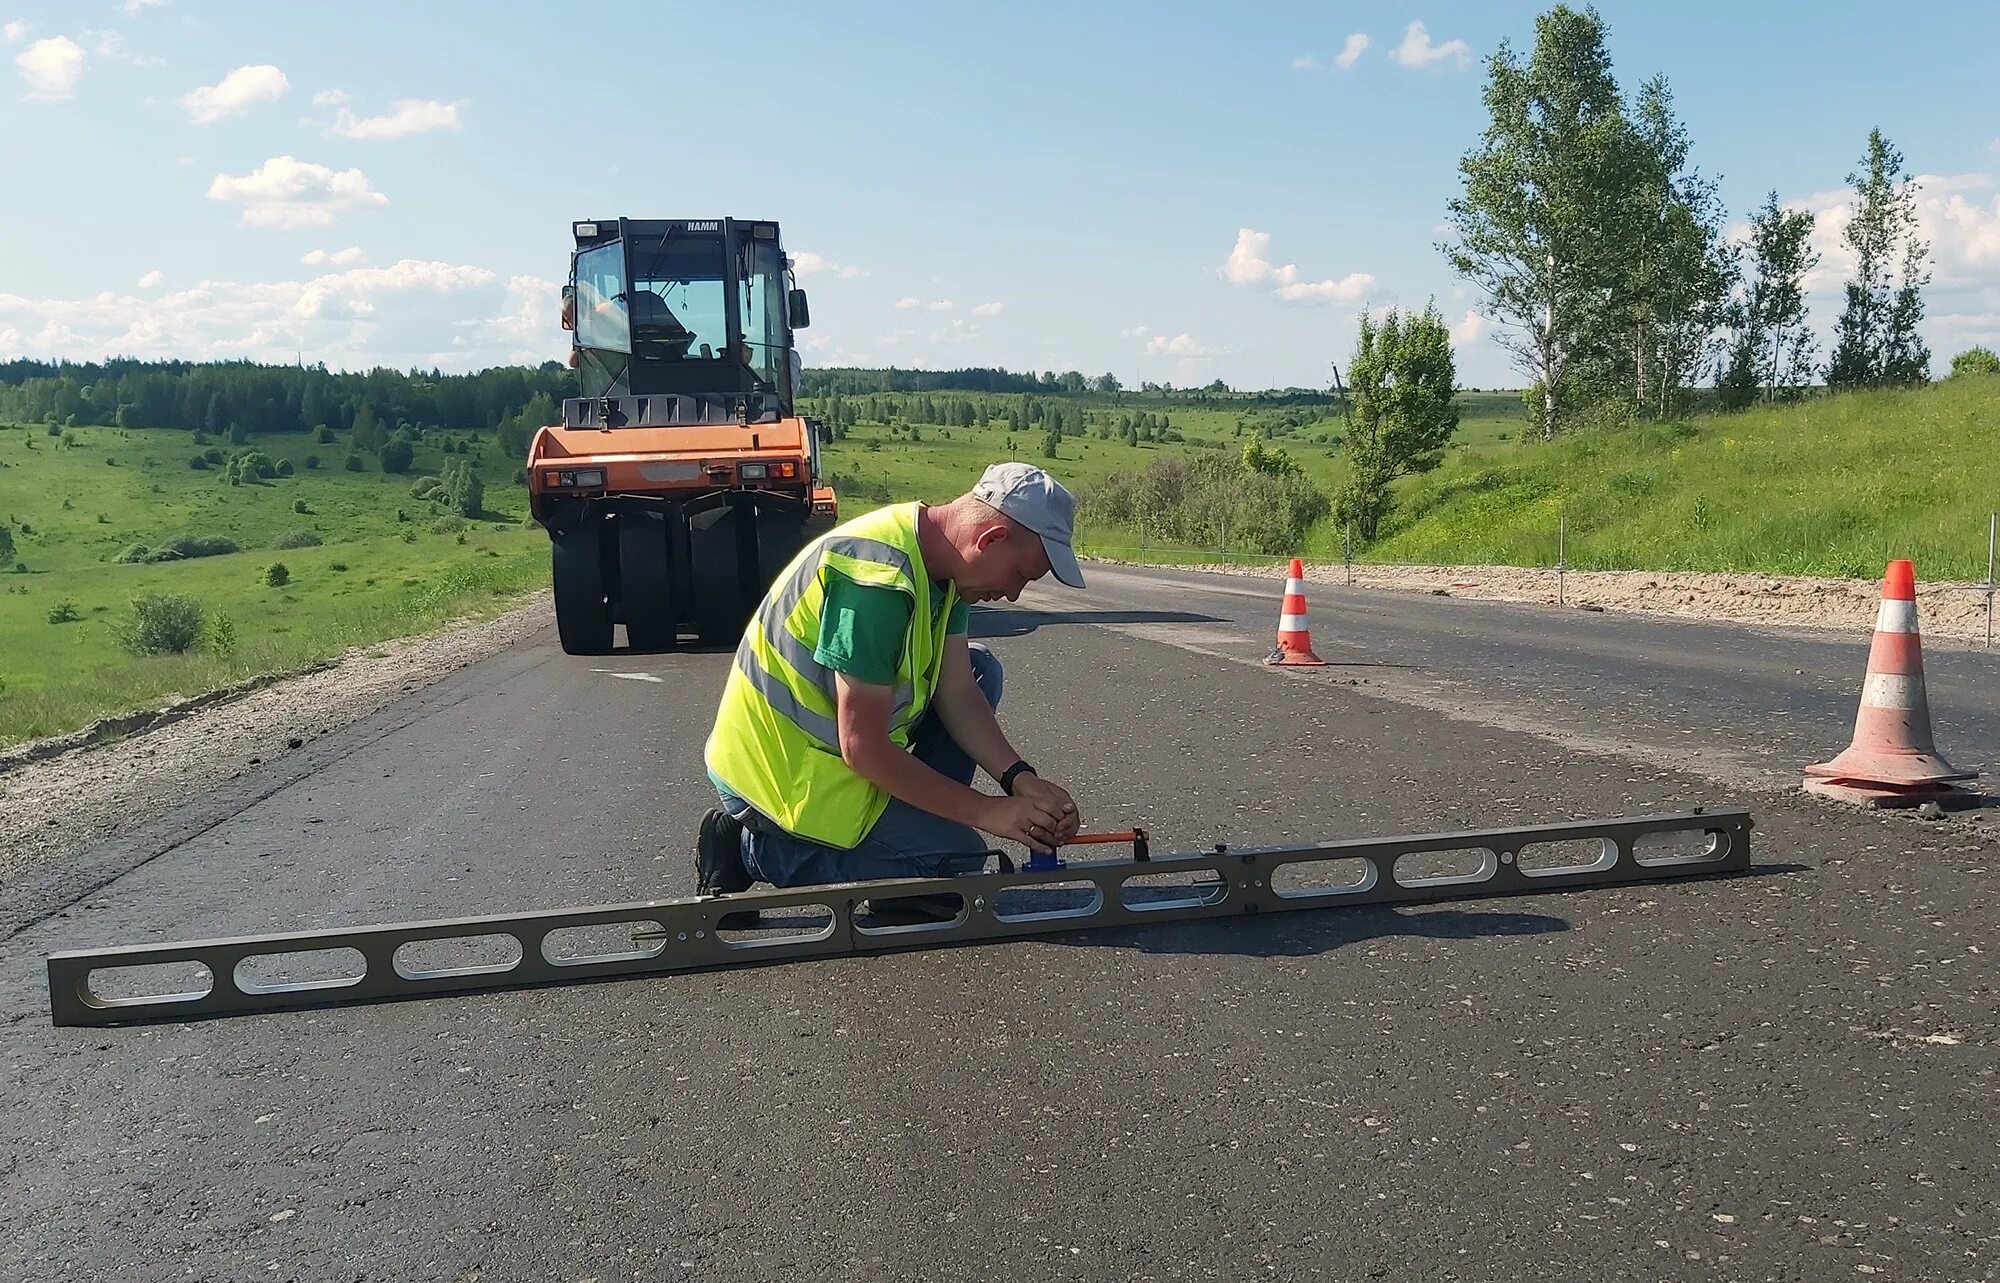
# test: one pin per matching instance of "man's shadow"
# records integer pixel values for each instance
(1310, 932)
(990, 622)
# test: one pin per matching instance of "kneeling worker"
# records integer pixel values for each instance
(857, 709)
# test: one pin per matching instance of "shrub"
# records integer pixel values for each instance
(397, 454)
(285, 467)
(277, 575)
(163, 624)
(355, 463)
(298, 539)
(299, 506)
(449, 525)
(1975, 360)
(323, 435)
(214, 454)
(222, 635)
(425, 487)
(338, 567)
(198, 463)
(312, 462)
(64, 612)
(180, 548)
(409, 536)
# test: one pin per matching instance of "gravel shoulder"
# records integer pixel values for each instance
(53, 806)
(1947, 609)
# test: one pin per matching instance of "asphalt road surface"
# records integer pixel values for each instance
(1789, 1075)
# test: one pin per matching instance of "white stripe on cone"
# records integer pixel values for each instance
(1295, 586)
(1891, 690)
(1291, 623)
(1896, 617)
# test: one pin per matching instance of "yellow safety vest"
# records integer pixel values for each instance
(776, 744)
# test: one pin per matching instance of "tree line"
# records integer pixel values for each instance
(1600, 250)
(231, 400)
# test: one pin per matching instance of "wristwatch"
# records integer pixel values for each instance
(1008, 776)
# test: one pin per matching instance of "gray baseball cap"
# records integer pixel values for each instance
(1037, 501)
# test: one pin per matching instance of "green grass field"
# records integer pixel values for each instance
(1830, 486)
(73, 510)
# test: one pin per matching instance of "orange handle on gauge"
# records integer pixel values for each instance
(1141, 850)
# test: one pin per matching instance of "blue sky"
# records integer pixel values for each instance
(1166, 191)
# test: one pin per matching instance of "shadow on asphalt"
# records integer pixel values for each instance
(1297, 935)
(989, 622)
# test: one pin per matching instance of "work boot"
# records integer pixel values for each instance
(718, 856)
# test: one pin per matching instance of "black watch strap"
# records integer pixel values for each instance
(1012, 773)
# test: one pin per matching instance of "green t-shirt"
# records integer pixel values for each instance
(863, 628)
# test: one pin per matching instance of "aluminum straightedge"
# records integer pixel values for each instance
(669, 936)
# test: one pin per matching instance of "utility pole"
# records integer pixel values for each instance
(1341, 389)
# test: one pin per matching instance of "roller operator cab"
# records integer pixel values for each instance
(683, 478)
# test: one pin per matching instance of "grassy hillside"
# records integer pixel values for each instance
(74, 509)
(1833, 486)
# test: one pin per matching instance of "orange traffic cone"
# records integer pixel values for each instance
(1295, 643)
(1893, 760)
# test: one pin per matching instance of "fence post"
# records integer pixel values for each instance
(1142, 536)
(1349, 554)
(1992, 530)
(1225, 541)
(1562, 555)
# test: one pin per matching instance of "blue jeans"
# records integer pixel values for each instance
(905, 842)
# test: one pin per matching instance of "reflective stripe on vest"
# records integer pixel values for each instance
(776, 742)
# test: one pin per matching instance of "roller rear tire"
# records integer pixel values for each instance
(583, 614)
(642, 578)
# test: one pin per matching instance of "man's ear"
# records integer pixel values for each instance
(993, 534)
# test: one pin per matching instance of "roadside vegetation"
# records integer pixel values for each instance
(129, 576)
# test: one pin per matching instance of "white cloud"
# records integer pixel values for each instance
(1135, 332)
(339, 257)
(235, 93)
(152, 278)
(352, 320)
(131, 8)
(1470, 328)
(110, 44)
(528, 326)
(406, 116)
(1350, 53)
(1179, 345)
(942, 305)
(285, 192)
(51, 68)
(1418, 51)
(329, 97)
(1249, 263)
(806, 263)
(989, 309)
(1352, 286)
(1305, 62)
(16, 31)
(905, 304)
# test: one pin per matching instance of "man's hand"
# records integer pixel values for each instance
(1034, 823)
(1034, 787)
